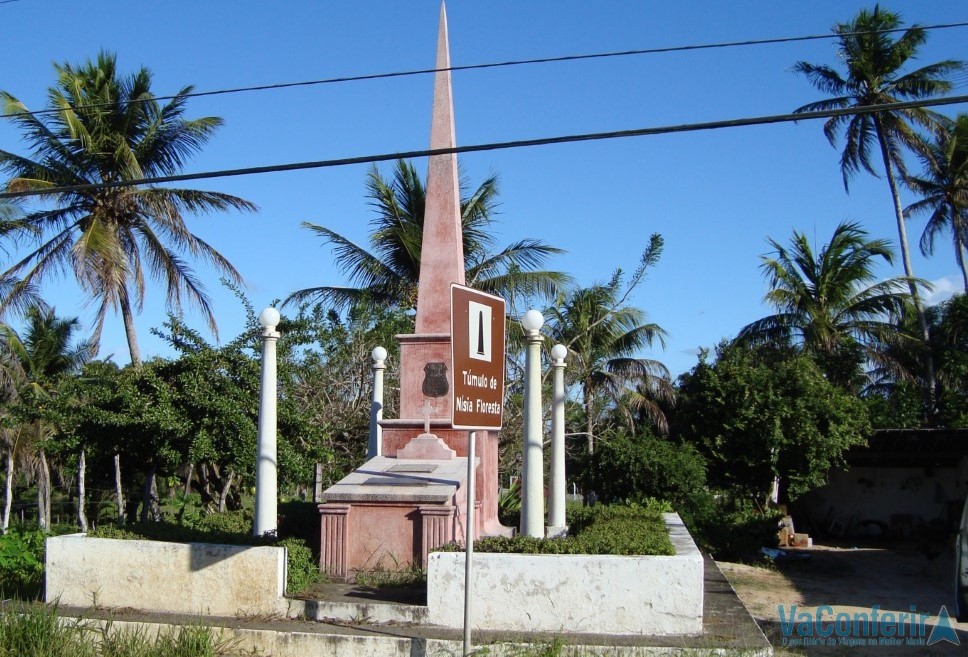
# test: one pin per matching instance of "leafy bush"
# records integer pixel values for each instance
(22, 562)
(637, 468)
(302, 569)
(239, 521)
(509, 505)
(732, 529)
(602, 529)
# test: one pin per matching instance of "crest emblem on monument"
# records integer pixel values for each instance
(435, 380)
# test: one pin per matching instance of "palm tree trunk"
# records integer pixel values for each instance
(8, 492)
(81, 492)
(589, 424)
(128, 318)
(118, 489)
(43, 492)
(908, 269)
(960, 251)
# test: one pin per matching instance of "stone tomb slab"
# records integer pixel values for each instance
(384, 479)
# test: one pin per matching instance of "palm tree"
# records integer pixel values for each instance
(388, 272)
(943, 187)
(902, 372)
(103, 128)
(604, 338)
(827, 301)
(874, 60)
(46, 353)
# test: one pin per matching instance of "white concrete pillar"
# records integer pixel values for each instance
(375, 446)
(557, 486)
(532, 469)
(266, 482)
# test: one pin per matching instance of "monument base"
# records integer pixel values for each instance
(391, 512)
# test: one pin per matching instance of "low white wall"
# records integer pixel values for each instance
(194, 578)
(594, 594)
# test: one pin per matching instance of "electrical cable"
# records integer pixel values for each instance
(517, 62)
(493, 146)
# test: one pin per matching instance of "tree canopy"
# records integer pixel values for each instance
(103, 131)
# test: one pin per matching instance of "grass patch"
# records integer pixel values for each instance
(382, 578)
(37, 631)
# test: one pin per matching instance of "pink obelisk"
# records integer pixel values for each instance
(400, 505)
(442, 249)
(427, 351)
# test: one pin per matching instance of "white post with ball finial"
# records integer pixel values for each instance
(557, 486)
(532, 467)
(266, 482)
(376, 407)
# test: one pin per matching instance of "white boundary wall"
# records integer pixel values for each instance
(594, 594)
(193, 578)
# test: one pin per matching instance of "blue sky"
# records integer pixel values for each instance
(714, 196)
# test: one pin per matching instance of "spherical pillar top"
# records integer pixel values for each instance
(559, 351)
(532, 321)
(379, 354)
(269, 318)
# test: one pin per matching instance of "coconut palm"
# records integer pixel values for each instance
(389, 271)
(901, 374)
(874, 60)
(827, 302)
(943, 187)
(604, 338)
(104, 128)
(46, 353)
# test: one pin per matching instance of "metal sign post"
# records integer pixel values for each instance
(477, 322)
(469, 542)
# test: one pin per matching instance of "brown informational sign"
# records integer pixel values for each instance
(477, 344)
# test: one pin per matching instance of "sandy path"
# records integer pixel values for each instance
(851, 580)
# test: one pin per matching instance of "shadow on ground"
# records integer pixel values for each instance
(851, 577)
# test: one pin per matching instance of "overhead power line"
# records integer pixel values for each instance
(514, 62)
(494, 146)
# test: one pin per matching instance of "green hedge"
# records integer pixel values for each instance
(602, 529)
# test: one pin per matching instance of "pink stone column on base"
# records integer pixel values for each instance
(333, 539)
(437, 528)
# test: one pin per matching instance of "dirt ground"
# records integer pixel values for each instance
(851, 578)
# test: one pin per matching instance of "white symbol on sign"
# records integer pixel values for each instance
(479, 331)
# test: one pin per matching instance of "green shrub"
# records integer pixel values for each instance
(22, 562)
(302, 570)
(627, 468)
(601, 529)
(239, 521)
(509, 505)
(731, 529)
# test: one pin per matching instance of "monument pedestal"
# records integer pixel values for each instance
(391, 512)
